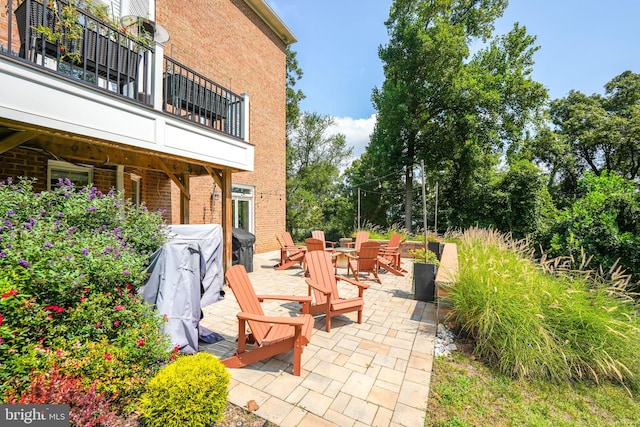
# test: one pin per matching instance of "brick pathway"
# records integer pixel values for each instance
(373, 374)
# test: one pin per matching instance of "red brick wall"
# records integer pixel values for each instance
(227, 42)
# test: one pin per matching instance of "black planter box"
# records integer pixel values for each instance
(99, 53)
(37, 17)
(424, 281)
(436, 248)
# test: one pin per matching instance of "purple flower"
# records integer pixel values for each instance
(91, 208)
(28, 226)
(3, 254)
(24, 263)
(85, 251)
(126, 272)
(11, 212)
(9, 246)
(47, 245)
(9, 225)
(60, 214)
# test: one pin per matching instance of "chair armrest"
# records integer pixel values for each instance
(281, 320)
(353, 282)
(295, 298)
(314, 285)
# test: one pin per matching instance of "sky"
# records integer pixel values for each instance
(583, 45)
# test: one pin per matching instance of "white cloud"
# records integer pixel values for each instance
(356, 131)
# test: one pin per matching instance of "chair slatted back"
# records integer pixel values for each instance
(288, 240)
(368, 256)
(314, 244)
(361, 237)
(394, 241)
(240, 284)
(321, 271)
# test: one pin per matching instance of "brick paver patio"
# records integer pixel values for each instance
(373, 374)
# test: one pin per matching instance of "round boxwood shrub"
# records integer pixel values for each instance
(192, 391)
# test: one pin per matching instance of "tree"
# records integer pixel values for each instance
(294, 73)
(592, 133)
(459, 113)
(314, 162)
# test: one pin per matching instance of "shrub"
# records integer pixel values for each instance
(570, 325)
(86, 406)
(192, 391)
(72, 261)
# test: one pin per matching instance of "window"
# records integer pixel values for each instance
(136, 192)
(80, 176)
(242, 208)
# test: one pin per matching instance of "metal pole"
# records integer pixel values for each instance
(424, 208)
(358, 208)
(435, 222)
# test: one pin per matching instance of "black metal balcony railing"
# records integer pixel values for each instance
(109, 59)
(95, 52)
(192, 96)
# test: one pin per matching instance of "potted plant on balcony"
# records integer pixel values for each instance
(80, 30)
(425, 267)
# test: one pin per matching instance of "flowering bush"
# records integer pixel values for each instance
(72, 261)
(86, 406)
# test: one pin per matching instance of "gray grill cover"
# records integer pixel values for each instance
(184, 276)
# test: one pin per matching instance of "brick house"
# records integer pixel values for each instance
(181, 106)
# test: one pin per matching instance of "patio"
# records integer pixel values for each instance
(372, 374)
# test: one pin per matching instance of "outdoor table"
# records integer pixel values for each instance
(342, 260)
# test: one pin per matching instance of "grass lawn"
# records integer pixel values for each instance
(464, 392)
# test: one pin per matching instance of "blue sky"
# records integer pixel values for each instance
(583, 45)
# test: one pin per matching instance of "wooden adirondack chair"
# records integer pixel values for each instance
(270, 335)
(319, 234)
(389, 255)
(323, 284)
(290, 253)
(366, 261)
(361, 237)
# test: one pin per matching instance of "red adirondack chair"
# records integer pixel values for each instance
(290, 253)
(270, 335)
(366, 261)
(323, 284)
(361, 237)
(389, 255)
(319, 234)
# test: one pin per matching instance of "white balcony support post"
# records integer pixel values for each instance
(245, 117)
(157, 70)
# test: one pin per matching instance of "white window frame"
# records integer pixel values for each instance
(136, 182)
(61, 166)
(249, 196)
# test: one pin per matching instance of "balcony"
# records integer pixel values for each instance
(99, 81)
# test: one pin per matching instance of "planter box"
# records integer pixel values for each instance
(436, 248)
(424, 281)
(37, 17)
(106, 56)
(186, 93)
(99, 53)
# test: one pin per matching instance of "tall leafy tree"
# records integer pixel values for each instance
(456, 111)
(592, 133)
(314, 160)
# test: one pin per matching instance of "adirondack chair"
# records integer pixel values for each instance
(319, 234)
(290, 253)
(317, 245)
(323, 285)
(366, 261)
(361, 237)
(270, 335)
(390, 254)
